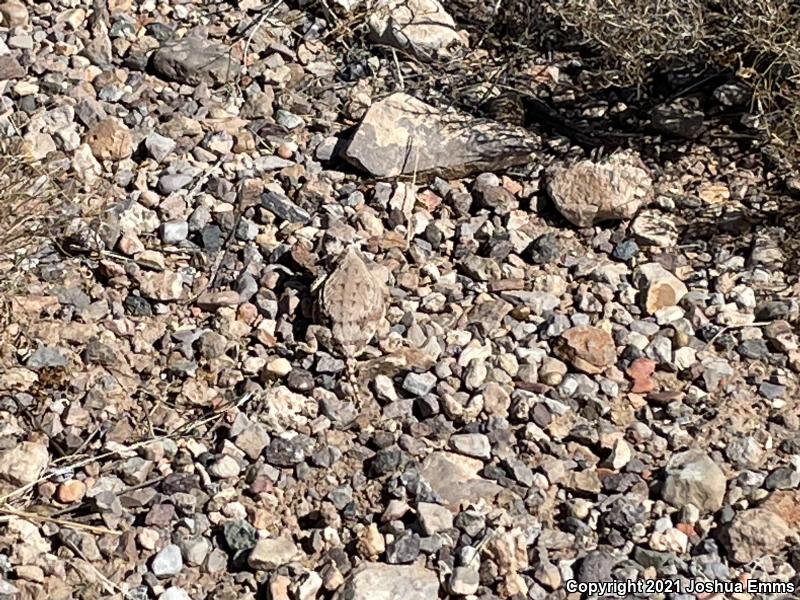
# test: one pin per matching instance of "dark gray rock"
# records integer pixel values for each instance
(195, 60)
(239, 535)
(46, 357)
(595, 566)
(783, 478)
(283, 208)
(678, 120)
(404, 549)
(284, 453)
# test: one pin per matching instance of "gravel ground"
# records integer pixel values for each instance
(568, 379)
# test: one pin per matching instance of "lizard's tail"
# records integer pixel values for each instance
(364, 404)
(353, 382)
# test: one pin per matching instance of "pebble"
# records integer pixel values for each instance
(464, 581)
(174, 231)
(70, 491)
(273, 553)
(279, 367)
(693, 477)
(167, 562)
(23, 464)
(419, 384)
(472, 444)
(174, 593)
(376, 580)
(225, 467)
(660, 288)
(434, 518)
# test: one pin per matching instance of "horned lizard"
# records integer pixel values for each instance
(352, 302)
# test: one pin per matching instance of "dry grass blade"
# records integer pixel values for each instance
(109, 585)
(32, 516)
(179, 432)
(30, 202)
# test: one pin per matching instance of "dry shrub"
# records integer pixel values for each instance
(758, 41)
(31, 204)
(635, 37)
(42, 202)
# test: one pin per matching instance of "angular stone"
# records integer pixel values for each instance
(419, 384)
(174, 231)
(376, 581)
(159, 146)
(172, 182)
(509, 550)
(175, 593)
(167, 562)
(464, 581)
(46, 357)
(472, 444)
(660, 288)
(164, 286)
(14, 14)
(110, 139)
(24, 463)
(583, 481)
(590, 192)
(655, 228)
(589, 349)
(214, 300)
(10, 68)
(434, 517)
(693, 477)
(278, 204)
(455, 479)
(252, 440)
(273, 553)
(756, 533)
(400, 135)
(194, 60)
(421, 27)
(225, 468)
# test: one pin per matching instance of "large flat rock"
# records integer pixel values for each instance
(377, 581)
(193, 60)
(400, 135)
